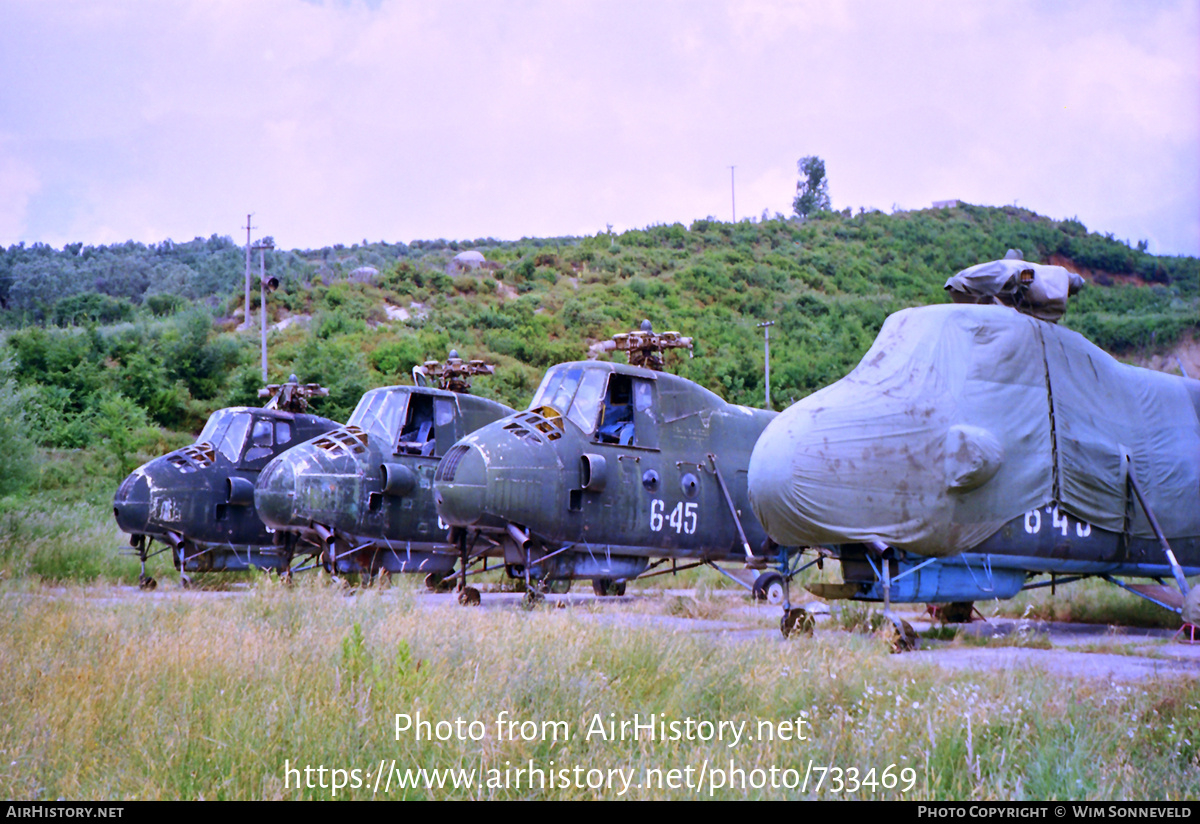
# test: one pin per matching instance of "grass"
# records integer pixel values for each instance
(193, 695)
(1091, 601)
(116, 695)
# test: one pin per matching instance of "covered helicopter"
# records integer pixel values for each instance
(975, 448)
(612, 471)
(198, 501)
(360, 495)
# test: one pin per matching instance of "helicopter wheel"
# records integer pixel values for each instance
(900, 635)
(469, 597)
(146, 582)
(769, 587)
(797, 621)
(605, 587)
(532, 598)
(185, 582)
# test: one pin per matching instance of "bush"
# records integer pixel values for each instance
(18, 463)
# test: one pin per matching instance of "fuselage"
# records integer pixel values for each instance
(616, 462)
(200, 499)
(365, 490)
(972, 429)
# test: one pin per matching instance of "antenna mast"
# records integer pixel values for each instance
(246, 305)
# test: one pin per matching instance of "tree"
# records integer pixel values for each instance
(18, 462)
(812, 190)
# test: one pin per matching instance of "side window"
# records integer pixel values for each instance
(444, 413)
(616, 417)
(417, 437)
(643, 395)
(261, 440)
(283, 432)
(645, 415)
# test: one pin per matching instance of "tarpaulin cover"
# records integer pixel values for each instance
(944, 432)
(1033, 288)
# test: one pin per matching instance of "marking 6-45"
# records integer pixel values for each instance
(1059, 521)
(683, 518)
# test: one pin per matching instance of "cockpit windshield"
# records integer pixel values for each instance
(226, 431)
(573, 391)
(381, 414)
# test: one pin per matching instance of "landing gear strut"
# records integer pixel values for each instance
(140, 545)
(467, 596)
(901, 634)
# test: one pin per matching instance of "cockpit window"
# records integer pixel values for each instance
(574, 392)
(558, 388)
(261, 441)
(380, 413)
(217, 422)
(226, 431)
(263, 434)
(586, 405)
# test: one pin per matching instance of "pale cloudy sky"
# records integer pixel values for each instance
(394, 120)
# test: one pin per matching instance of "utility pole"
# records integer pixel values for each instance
(732, 199)
(766, 327)
(263, 246)
(246, 305)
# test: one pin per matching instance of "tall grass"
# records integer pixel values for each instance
(62, 540)
(181, 695)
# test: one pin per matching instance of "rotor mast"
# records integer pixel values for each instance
(292, 396)
(644, 346)
(454, 375)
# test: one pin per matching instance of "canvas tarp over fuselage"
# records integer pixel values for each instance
(963, 417)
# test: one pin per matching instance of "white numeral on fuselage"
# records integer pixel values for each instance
(1058, 520)
(684, 518)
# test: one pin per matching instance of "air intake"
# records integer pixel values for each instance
(449, 464)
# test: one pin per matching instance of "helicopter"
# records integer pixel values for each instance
(978, 446)
(359, 496)
(198, 502)
(614, 471)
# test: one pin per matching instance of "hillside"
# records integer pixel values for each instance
(170, 352)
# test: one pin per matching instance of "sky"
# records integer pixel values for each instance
(346, 121)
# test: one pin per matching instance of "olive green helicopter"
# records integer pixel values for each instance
(360, 497)
(614, 472)
(198, 502)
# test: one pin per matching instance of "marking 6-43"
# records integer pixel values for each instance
(1059, 521)
(683, 518)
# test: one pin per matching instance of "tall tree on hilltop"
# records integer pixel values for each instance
(812, 190)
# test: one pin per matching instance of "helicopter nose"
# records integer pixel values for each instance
(820, 475)
(460, 485)
(131, 505)
(275, 493)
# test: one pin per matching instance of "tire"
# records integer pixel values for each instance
(797, 621)
(959, 612)
(769, 587)
(607, 587)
